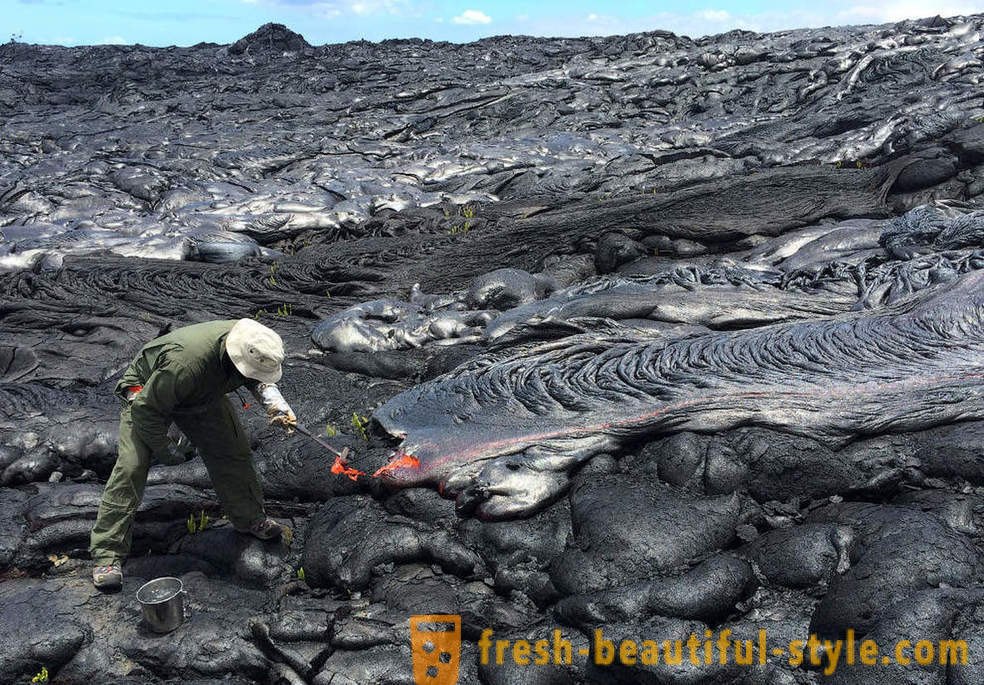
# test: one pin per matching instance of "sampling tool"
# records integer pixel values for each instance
(343, 455)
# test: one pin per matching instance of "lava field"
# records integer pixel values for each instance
(642, 334)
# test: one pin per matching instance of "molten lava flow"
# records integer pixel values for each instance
(341, 467)
(403, 461)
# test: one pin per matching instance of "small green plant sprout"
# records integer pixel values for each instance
(359, 425)
(285, 309)
(980, 120)
(260, 313)
(860, 165)
(468, 212)
(41, 677)
(839, 164)
(330, 430)
(197, 526)
(300, 574)
(463, 228)
(273, 273)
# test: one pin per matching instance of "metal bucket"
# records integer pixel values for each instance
(162, 601)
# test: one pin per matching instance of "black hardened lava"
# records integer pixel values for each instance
(644, 335)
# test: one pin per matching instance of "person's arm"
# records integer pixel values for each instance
(154, 404)
(268, 394)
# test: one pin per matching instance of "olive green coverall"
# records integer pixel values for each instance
(185, 377)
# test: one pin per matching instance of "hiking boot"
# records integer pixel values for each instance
(107, 577)
(264, 529)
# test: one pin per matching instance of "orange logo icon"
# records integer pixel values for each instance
(436, 644)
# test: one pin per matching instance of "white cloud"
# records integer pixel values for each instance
(601, 24)
(114, 40)
(366, 7)
(472, 17)
(330, 9)
(714, 15)
(439, 20)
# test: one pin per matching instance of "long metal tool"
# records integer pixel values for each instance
(304, 431)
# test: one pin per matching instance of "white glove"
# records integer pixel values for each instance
(276, 406)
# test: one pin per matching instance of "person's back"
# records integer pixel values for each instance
(197, 354)
(197, 341)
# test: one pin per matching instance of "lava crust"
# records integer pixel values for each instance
(642, 334)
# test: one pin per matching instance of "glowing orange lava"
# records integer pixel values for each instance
(341, 467)
(404, 461)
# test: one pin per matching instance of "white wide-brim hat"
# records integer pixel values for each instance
(256, 351)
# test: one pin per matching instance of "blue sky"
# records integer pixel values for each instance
(185, 22)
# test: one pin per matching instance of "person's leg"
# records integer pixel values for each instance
(224, 448)
(109, 542)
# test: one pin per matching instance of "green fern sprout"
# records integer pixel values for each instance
(359, 424)
(41, 677)
(285, 309)
(300, 574)
(330, 430)
(197, 526)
